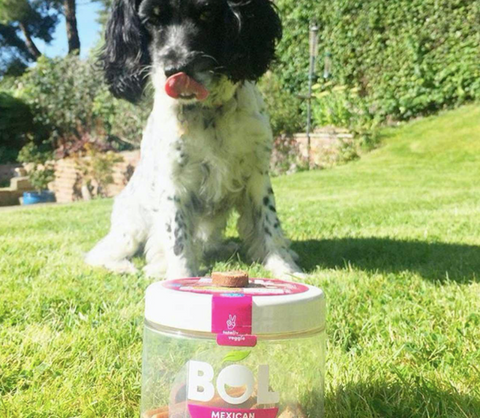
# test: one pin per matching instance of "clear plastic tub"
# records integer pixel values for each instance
(254, 352)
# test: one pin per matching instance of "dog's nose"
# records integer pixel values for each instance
(174, 69)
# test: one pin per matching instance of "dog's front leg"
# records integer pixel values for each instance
(170, 247)
(261, 231)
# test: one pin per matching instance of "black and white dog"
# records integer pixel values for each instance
(207, 145)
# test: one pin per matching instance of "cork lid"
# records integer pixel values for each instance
(230, 279)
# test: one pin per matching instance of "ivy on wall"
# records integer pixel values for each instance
(406, 57)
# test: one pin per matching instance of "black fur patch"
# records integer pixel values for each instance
(178, 248)
(237, 40)
(125, 56)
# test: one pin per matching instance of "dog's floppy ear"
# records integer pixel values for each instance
(253, 28)
(125, 56)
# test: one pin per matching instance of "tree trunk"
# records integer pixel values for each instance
(71, 23)
(32, 48)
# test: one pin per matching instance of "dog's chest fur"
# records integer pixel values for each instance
(208, 153)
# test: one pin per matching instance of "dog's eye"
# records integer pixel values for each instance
(154, 16)
(206, 15)
(156, 12)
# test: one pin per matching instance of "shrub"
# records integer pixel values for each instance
(285, 108)
(96, 168)
(8, 155)
(69, 97)
(61, 92)
(407, 57)
(16, 124)
(39, 164)
(342, 107)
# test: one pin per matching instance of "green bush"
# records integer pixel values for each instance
(68, 96)
(8, 155)
(39, 164)
(61, 93)
(16, 123)
(407, 57)
(285, 109)
(342, 107)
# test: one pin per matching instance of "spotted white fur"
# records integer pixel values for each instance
(199, 161)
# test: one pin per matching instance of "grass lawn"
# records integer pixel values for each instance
(393, 239)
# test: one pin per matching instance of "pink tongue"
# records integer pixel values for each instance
(181, 84)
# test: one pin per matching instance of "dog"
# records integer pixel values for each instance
(207, 144)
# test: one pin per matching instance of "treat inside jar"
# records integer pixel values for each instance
(178, 411)
(181, 408)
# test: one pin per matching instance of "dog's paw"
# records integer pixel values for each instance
(120, 267)
(123, 266)
(283, 267)
(155, 270)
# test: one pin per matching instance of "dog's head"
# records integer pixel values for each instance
(190, 43)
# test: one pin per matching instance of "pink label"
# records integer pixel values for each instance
(237, 340)
(198, 411)
(232, 320)
(232, 314)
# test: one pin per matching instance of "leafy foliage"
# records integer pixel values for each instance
(61, 93)
(39, 164)
(68, 95)
(20, 22)
(96, 168)
(16, 121)
(285, 109)
(406, 57)
(339, 106)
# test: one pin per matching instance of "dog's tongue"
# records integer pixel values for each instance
(181, 84)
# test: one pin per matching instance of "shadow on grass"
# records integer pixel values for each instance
(394, 400)
(433, 261)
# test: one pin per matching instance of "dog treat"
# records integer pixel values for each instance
(293, 411)
(179, 408)
(156, 413)
(230, 279)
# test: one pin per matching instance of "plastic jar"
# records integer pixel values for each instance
(216, 352)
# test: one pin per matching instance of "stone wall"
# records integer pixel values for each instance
(10, 196)
(326, 146)
(67, 185)
(7, 171)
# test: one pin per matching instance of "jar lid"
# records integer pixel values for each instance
(266, 307)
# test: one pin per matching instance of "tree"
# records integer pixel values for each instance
(14, 52)
(70, 12)
(20, 22)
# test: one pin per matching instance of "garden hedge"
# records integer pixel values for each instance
(16, 121)
(406, 57)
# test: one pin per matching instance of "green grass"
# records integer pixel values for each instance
(393, 239)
